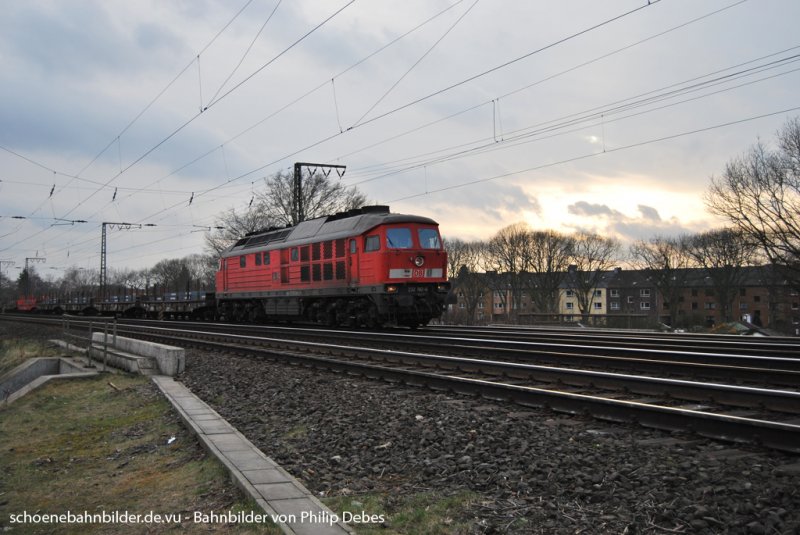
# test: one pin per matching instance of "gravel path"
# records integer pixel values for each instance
(563, 474)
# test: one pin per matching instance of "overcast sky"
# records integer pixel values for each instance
(604, 116)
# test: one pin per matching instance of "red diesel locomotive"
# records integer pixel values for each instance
(366, 267)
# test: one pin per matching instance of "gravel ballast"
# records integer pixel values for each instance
(535, 471)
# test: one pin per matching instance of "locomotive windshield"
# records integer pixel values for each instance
(398, 238)
(429, 238)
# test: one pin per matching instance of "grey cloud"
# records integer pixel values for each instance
(592, 210)
(648, 212)
(74, 40)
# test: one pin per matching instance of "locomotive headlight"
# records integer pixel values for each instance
(419, 261)
(391, 289)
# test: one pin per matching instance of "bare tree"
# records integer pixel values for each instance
(172, 274)
(203, 269)
(759, 193)
(665, 261)
(465, 260)
(457, 252)
(233, 225)
(723, 254)
(272, 207)
(592, 256)
(321, 196)
(550, 254)
(508, 253)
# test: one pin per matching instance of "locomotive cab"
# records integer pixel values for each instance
(410, 259)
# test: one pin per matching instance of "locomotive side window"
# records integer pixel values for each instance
(294, 254)
(258, 259)
(398, 238)
(266, 258)
(352, 246)
(429, 238)
(243, 261)
(372, 243)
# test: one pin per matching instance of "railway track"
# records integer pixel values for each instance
(766, 415)
(706, 362)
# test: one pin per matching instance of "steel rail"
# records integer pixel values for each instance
(755, 369)
(773, 434)
(735, 395)
(739, 368)
(785, 346)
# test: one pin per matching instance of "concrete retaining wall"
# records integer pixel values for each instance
(167, 360)
(35, 372)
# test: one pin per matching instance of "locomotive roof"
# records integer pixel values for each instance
(344, 225)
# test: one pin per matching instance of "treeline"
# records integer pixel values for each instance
(520, 260)
(191, 273)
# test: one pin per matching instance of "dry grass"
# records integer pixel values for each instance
(14, 352)
(419, 514)
(83, 446)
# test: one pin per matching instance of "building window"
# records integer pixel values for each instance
(598, 293)
(614, 293)
(644, 305)
(570, 305)
(480, 305)
(570, 293)
(794, 306)
(498, 305)
(694, 292)
(598, 306)
(742, 306)
(630, 299)
(461, 306)
(742, 292)
(694, 306)
(614, 305)
(644, 292)
(710, 306)
(757, 298)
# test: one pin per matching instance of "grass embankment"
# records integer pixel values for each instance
(14, 352)
(421, 514)
(84, 446)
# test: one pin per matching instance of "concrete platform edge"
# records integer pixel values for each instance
(236, 472)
